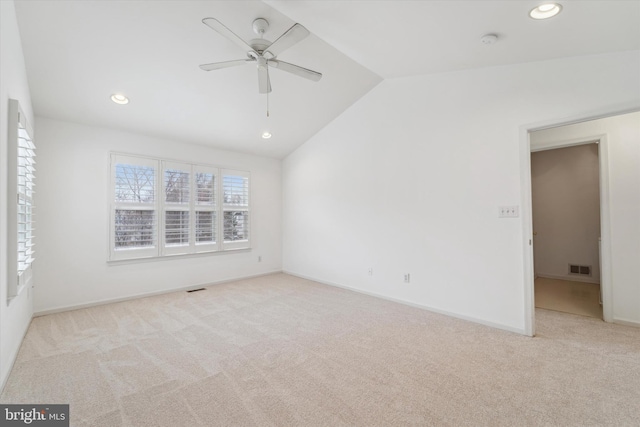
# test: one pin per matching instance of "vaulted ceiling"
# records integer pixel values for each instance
(78, 53)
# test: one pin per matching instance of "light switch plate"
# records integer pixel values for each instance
(508, 211)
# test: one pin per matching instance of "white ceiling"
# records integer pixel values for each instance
(80, 52)
(403, 38)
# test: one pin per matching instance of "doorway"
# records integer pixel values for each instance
(565, 189)
(619, 135)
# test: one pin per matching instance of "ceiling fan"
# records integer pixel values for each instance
(262, 52)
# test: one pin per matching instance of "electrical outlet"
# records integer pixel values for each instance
(508, 211)
(370, 271)
(407, 278)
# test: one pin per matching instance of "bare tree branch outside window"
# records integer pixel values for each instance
(134, 227)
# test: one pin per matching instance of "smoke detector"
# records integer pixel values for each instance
(489, 39)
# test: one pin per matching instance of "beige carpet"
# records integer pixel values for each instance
(568, 297)
(283, 351)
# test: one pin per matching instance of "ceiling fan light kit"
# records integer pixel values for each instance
(263, 52)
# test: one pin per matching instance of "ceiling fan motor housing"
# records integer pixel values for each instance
(259, 45)
(260, 26)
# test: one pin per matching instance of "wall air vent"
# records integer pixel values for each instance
(583, 270)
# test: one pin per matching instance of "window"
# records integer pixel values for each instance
(162, 207)
(176, 186)
(235, 187)
(21, 179)
(135, 216)
(205, 208)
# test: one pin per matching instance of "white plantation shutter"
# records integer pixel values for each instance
(177, 207)
(134, 211)
(205, 208)
(26, 183)
(236, 212)
(21, 179)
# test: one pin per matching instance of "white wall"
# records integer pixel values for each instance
(72, 201)
(623, 141)
(565, 200)
(410, 178)
(14, 318)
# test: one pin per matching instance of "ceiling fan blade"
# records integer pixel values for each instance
(264, 83)
(294, 69)
(225, 64)
(292, 36)
(217, 26)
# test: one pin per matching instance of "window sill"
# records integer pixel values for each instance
(174, 256)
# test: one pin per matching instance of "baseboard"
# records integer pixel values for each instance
(14, 356)
(569, 278)
(626, 322)
(147, 294)
(412, 304)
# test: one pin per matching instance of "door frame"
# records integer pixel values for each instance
(605, 225)
(527, 213)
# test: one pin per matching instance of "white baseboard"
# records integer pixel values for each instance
(626, 322)
(572, 278)
(412, 304)
(147, 294)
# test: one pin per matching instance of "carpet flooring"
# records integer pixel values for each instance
(568, 296)
(282, 351)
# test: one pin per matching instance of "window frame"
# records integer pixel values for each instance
(161, 206)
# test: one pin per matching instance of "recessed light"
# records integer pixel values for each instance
(546, 10)
(119, 98)
(266, 135)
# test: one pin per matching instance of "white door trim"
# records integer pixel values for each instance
(605, 225)
(527, 214)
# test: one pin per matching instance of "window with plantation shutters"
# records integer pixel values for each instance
(177, 192)
(163, 208)
(205, 208)
(26, 184)
(21, 164)
(235, 190)
(134, 208)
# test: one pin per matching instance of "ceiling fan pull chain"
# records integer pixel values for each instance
(267, 104)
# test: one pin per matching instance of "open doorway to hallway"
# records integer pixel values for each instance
(565, 184)
(619, 174)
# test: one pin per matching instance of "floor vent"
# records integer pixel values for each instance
(583, 270)
(196, 290)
